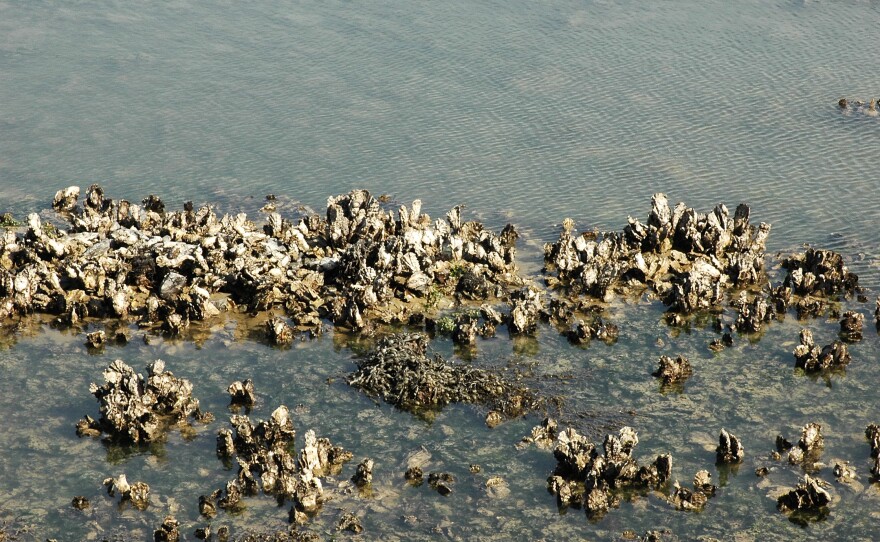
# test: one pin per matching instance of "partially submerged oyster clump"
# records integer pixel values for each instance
(686, 257)
(170, 268)
(267, 462)
(586, 476)
(137, 409)
(400, 372)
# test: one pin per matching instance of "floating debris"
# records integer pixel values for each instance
(137, 409)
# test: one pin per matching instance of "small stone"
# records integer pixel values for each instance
(80, 503)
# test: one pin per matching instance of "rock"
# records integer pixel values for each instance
(808, 495)
(526, 306)
(752, 314)
(80, 503)
(809, 447)
(465, 329)
(208, 504)
(472, 285)
(844, 472)
(544, 435)
(582, 333)
(694, 499)
(673, 370)
(264, 453)
(819, 273)
(163, 267)
(96, 339)
(414, 475)
(279, 332)
(696, 254)
(729, 449)
(718, 345)
(497, 488)
(601, 472)
(872, 433)
(494, 419)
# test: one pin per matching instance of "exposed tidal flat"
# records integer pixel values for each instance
(527, 114)
(672, 286)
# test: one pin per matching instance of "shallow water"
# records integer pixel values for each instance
(526, 113)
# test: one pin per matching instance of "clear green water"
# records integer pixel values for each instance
(526, 112)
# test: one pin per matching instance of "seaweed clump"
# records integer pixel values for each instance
(400, 372)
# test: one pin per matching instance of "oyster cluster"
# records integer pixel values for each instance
(688, 258)
(811, 357)
(266, 462)
(137, 409)
(120, 259)
(586, 476)
(809, 495)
